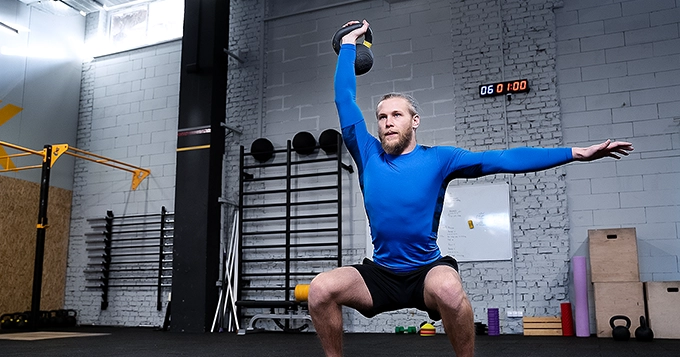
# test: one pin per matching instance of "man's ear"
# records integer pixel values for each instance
(416, 121)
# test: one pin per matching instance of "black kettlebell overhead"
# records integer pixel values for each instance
(619, 332)
(364, 60)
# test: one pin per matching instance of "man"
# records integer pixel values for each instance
(403, 185)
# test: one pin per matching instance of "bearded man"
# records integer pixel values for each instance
(403, 184)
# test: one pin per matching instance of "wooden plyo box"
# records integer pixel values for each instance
(613, 255)
(618, 298)
(542, 326)
(663, 302)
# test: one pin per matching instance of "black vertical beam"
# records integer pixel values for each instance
(338, 146)
(241, 268)
(200, 148)
(161, 250)
(106, 268)
(289, 173)
(40, 238)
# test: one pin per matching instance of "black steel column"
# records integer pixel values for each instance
(161, 250)
(40, 238)
(200, 147)
(106, 265)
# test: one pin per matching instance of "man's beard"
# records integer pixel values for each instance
(397, 147)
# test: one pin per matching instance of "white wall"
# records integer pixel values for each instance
(619, 75)
(129, 106)
(619, 78)
(41, 74)
(575, 54)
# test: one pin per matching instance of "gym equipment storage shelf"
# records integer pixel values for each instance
(130, 252)
(291, 224)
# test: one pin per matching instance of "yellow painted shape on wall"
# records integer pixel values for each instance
(5, 162)
(8, 111)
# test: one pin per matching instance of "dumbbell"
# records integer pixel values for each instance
(301, 292)
(21, 320)
(7, 321)
(70, 317)
(401, 329)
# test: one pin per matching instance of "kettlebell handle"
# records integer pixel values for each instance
(619, 317)
(337, 38)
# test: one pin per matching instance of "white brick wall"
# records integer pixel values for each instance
(624, 74)
(597, 70)
(620, 80)
(128, 112)
(514, 42)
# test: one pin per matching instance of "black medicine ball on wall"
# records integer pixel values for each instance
(328, 140)
(304, 143)
(262, 149)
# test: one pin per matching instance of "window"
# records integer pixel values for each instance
(145, 24)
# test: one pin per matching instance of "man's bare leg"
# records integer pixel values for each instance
(444, 293)
(328, 292)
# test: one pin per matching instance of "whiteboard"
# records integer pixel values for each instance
(475, 223)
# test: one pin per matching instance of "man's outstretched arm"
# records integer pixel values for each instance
(526, 159)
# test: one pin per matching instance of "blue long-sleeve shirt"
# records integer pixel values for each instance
(404, 194)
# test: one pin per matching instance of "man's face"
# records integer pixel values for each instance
(396, 126)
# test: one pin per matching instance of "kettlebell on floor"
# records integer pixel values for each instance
(643, 332)
(620, 332)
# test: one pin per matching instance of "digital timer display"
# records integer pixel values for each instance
(500, 88)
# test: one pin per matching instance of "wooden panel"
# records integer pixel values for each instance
(542, 326)
(663, 300)
(542, 319)
(543, 332)
(613, 255)
(618, 298)
(18, 219)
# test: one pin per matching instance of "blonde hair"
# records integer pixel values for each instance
(414, 108)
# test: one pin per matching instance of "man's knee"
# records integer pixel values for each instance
(320, 289)
(326, 287)
(446, 291)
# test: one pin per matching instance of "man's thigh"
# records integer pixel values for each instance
(346, 287)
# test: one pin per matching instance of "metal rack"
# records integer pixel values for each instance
(133, 251)
(291, 225)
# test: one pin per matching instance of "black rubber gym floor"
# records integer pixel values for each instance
(119, 341)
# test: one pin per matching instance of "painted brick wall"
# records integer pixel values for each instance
(128, 112)
(575, 54)
(508, 40)
(619, 78)
(245, 86)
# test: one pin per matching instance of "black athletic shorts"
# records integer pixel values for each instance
(393, 291)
